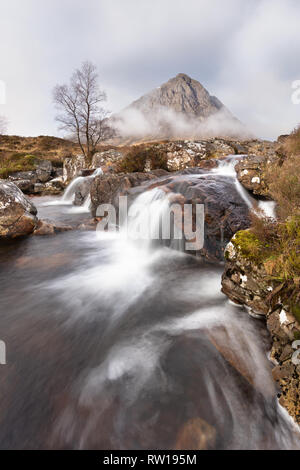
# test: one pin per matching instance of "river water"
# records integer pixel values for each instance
(116, 344)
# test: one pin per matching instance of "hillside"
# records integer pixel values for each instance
(18, 153)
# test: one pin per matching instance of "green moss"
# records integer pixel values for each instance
(17, 162)
(296, 312)
(249, 246)
(297, 335)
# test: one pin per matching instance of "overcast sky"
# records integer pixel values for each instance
(244, 52)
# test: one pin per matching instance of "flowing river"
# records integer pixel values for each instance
(116, 344)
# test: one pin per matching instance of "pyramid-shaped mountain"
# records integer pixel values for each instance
(179, 108)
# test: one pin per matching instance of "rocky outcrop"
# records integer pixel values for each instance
(106, 188)
(17, 213)
(51, 188)
(251, 173)
(44, 171)
(246, 282)
(82, 191)
(106, 158)
(187, 154)
(180, 154)
(45, 179)
(73, 167)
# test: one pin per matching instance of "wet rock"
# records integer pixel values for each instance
(29, 176)
(26, 186)
(87, 171)
(17, 213)
(52, 187)
(225, 210)
(196, 434)
(251, 173)
(44, 170)
(45, 227)
(245, 282)
(57, 172)
(82, 191)
(38, 188)
(73, 166)
(106, 188)
(88, 225)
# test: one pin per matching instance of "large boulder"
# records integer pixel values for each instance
(251, 173)
(106, 158)
(29, 176)
(73, 167)
(225, 210)
(26, 186)
(106, 188)
(44, 171)
(17, 213)
(245, 280)
(82, 190)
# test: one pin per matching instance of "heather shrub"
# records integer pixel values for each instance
(137, 157)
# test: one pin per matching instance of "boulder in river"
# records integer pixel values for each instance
(73, 167)
(225, 210)
(45, 227)
(44, 170)
(17, 213)
(106, 188)
(251, 173)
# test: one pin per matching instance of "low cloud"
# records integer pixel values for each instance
(165, 123)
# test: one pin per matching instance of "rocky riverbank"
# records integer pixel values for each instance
(246, 282)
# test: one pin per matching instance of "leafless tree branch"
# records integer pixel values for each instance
(80, 110)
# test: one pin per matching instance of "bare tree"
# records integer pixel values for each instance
(81, 111)
(3, 125)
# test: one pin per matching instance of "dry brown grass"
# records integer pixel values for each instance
(283, 180)
(45, 147)
(21, 153)
(291, 145)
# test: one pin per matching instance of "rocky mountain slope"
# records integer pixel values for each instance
(179, 108)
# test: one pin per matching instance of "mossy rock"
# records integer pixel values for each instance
(248, 246)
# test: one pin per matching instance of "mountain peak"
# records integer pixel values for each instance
(183, 76)
(181, 94)
(181, 108)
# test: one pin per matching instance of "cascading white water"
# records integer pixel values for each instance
(69, 194)
(146, 213)
(226, 167)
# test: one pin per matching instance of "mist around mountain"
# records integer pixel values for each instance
(179, 108)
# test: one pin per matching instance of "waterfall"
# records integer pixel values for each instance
(226, 167)
(69, 194)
